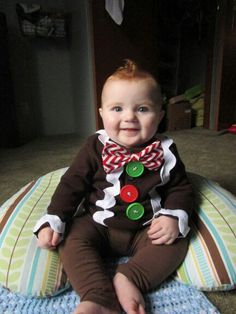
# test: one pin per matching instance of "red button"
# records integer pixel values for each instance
(129, 193)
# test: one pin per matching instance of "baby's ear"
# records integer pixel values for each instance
(100, 111)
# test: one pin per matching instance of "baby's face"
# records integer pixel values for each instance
(130, 111)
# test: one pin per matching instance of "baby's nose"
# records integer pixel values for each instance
(130, 115)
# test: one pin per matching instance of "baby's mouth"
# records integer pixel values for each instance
(130, 129)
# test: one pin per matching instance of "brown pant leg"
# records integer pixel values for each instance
(81, 253)
(151, 264)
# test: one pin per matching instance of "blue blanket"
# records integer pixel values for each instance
(171, 297)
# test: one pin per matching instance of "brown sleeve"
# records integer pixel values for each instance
(75, 183)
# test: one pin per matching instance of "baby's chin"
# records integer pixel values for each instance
(130, 138)
(128, 143)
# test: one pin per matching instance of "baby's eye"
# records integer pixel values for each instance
(116, 108)
(143, 109)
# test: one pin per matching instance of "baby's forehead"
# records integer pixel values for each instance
(148, 83)
(116, 89)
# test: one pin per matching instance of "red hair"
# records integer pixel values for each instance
(130, 71)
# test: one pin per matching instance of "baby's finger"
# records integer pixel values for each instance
(156, 235)
(56, 239)
(161, 240)
(44, 244)
(154, 228)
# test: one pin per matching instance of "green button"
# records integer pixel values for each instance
(134, 169)
(135, 211)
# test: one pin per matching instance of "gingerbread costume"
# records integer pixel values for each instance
(117, 209)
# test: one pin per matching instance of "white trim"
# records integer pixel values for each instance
(170, 160)
(182, 219)
(110, 192)
(54, 221)
(100, 215)
(103, 137)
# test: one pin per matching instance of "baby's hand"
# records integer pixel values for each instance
(163, 230)
(48, 238)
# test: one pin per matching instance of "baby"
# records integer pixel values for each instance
(136, 201)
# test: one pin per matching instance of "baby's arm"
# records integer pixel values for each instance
(48, 238)
(49, 229)
(172, 219)
(164, 230)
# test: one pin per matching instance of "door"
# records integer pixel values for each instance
(227, 106)
(135, 38)
(220, 100)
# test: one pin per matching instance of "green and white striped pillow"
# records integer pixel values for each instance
(210, 263)
(25, 268)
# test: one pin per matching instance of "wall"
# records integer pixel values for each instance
(81, 57)
(55, 100)
(52, 78)
(20, 59)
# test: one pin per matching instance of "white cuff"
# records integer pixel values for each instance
(54, 221)
(182, 218)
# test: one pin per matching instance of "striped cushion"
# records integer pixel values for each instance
(25, 268)
(210, 263)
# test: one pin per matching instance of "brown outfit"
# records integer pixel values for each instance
(87, 243)
(104, 229)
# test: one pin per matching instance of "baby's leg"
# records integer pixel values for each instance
(149, 266)
(81, 257)
(88, 307)
(128, 295)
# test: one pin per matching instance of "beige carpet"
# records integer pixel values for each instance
(205, 152)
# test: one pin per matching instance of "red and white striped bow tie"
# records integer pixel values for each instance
(115, 156)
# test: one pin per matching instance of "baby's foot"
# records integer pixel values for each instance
(128, 295)
(88, 307)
